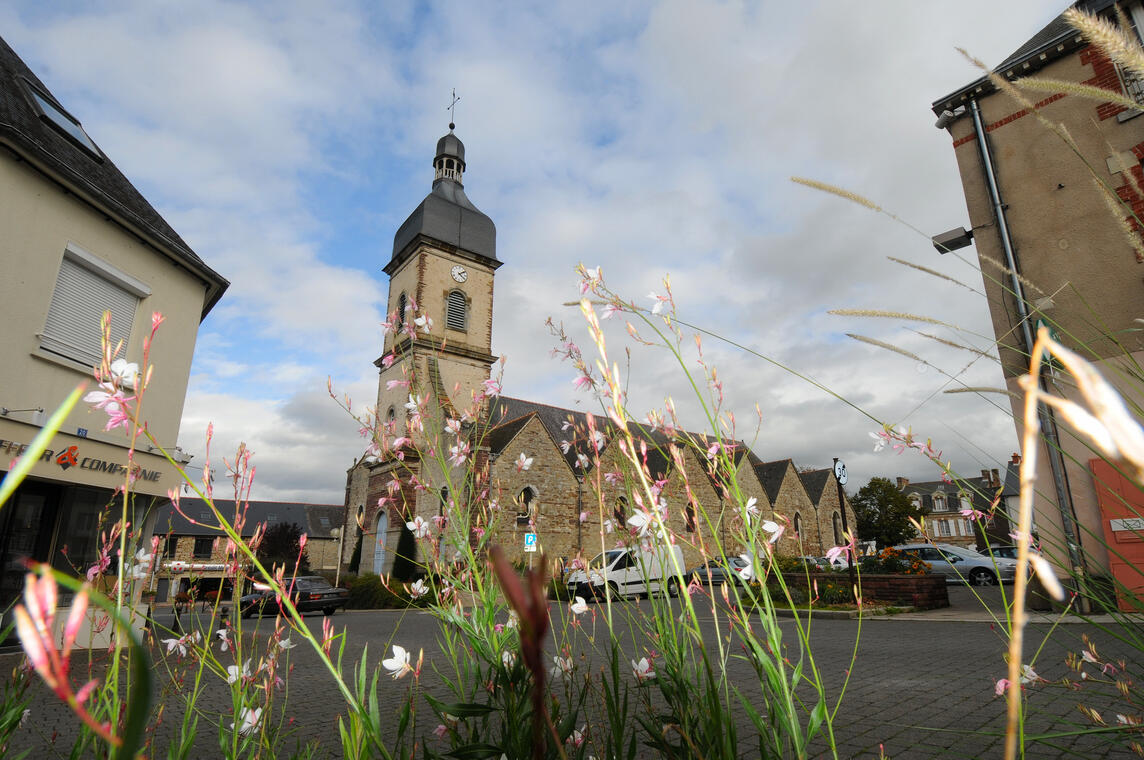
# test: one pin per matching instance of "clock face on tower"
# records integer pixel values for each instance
(459, 273)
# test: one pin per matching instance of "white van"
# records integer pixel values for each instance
(628, 572)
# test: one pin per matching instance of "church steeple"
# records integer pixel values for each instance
(449, 163)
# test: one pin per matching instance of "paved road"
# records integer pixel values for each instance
(921, 686)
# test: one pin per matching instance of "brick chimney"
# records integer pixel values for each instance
(1015, 459)
(902, 483)
(996, 482)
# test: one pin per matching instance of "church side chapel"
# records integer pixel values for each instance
(454, 460)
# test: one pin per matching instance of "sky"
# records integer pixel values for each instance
(286, 141)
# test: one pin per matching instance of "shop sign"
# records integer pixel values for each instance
(71, 456)
(193, 567)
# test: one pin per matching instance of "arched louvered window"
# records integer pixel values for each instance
(456, 309)
(797, 525)
(526, 503)
(402, 302)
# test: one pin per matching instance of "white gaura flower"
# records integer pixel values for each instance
(747, 572)
(419, 527)
(418, 589)
(224, 637)
(644, 670)
(425, 322)
(750, 509)
(578, 606)
(773, 528)
(233, 673)
(508, 658)
(124, 373)
(563, 665)
(1048, 578)
(248, 719)
(523, 462)
(1028, 675)
(286, 644)
(397, 665)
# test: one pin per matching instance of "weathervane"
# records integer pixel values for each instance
(452, 106)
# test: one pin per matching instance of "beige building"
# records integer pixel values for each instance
(76, 239)
(435, 363)
(1035, 209)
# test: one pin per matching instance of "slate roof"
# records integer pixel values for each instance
(505, 411)
(95, 179)
(1055, 40)
(447, 216)
(815, 482)
(978, 489)
(316, 520)
(771, 475)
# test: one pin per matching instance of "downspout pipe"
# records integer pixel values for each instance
(1047, 418)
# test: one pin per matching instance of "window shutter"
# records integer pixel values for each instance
(455, 310)
(80, 298)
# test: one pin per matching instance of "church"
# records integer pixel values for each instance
(447, 437)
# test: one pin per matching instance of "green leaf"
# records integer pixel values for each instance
(817, 716)
(476, 752)
(460, 709)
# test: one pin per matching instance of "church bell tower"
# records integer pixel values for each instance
(442, 267)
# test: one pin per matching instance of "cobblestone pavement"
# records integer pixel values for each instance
(921, 685)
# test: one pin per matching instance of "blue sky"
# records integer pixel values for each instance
(286, 141)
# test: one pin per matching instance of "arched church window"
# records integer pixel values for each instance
(455, 310)
(402, 302)
(391, 415)
(620, 512)
(526, 503)
(797, 525)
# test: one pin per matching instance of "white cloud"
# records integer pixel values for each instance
(286, 142)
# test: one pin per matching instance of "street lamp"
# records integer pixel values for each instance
(338, 534)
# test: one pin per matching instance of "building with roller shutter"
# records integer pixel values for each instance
(76, 240)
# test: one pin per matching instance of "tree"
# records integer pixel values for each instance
(281, 546)
(884, 513)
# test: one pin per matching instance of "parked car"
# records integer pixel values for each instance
(716, 572)
(814, 563)
(626, 572)
(1004, 552)
(958, 564)
(309, 593)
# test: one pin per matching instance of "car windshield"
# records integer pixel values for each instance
(603, 560)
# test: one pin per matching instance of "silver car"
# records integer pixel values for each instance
(959, 564)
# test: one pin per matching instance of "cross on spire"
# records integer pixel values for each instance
(451, 107)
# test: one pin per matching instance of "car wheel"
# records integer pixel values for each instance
(613, 591)
(327, 611)
(982, 577)
(672, 588)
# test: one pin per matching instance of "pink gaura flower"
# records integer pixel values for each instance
(1000, 687)
(582, 381)
(972, 514)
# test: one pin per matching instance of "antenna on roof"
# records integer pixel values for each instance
(452, 106)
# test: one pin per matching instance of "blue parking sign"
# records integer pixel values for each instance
(530, 542)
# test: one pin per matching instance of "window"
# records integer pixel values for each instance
(402, 305)
(456, 309)
(620, 512)
(943, 528)
(62, 120)
(391, 415)
(86, 287)
(527, 503)
(797, 525)
(172, 545)
(938, 502)
(203, 547)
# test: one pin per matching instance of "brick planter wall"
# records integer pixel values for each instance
(925, 592)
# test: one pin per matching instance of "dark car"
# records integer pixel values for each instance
(309, 593)
(716, 572)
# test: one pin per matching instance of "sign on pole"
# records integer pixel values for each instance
(530, 542)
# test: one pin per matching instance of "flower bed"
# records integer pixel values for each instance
(923, 592)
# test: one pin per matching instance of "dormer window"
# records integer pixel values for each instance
(55, 115)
